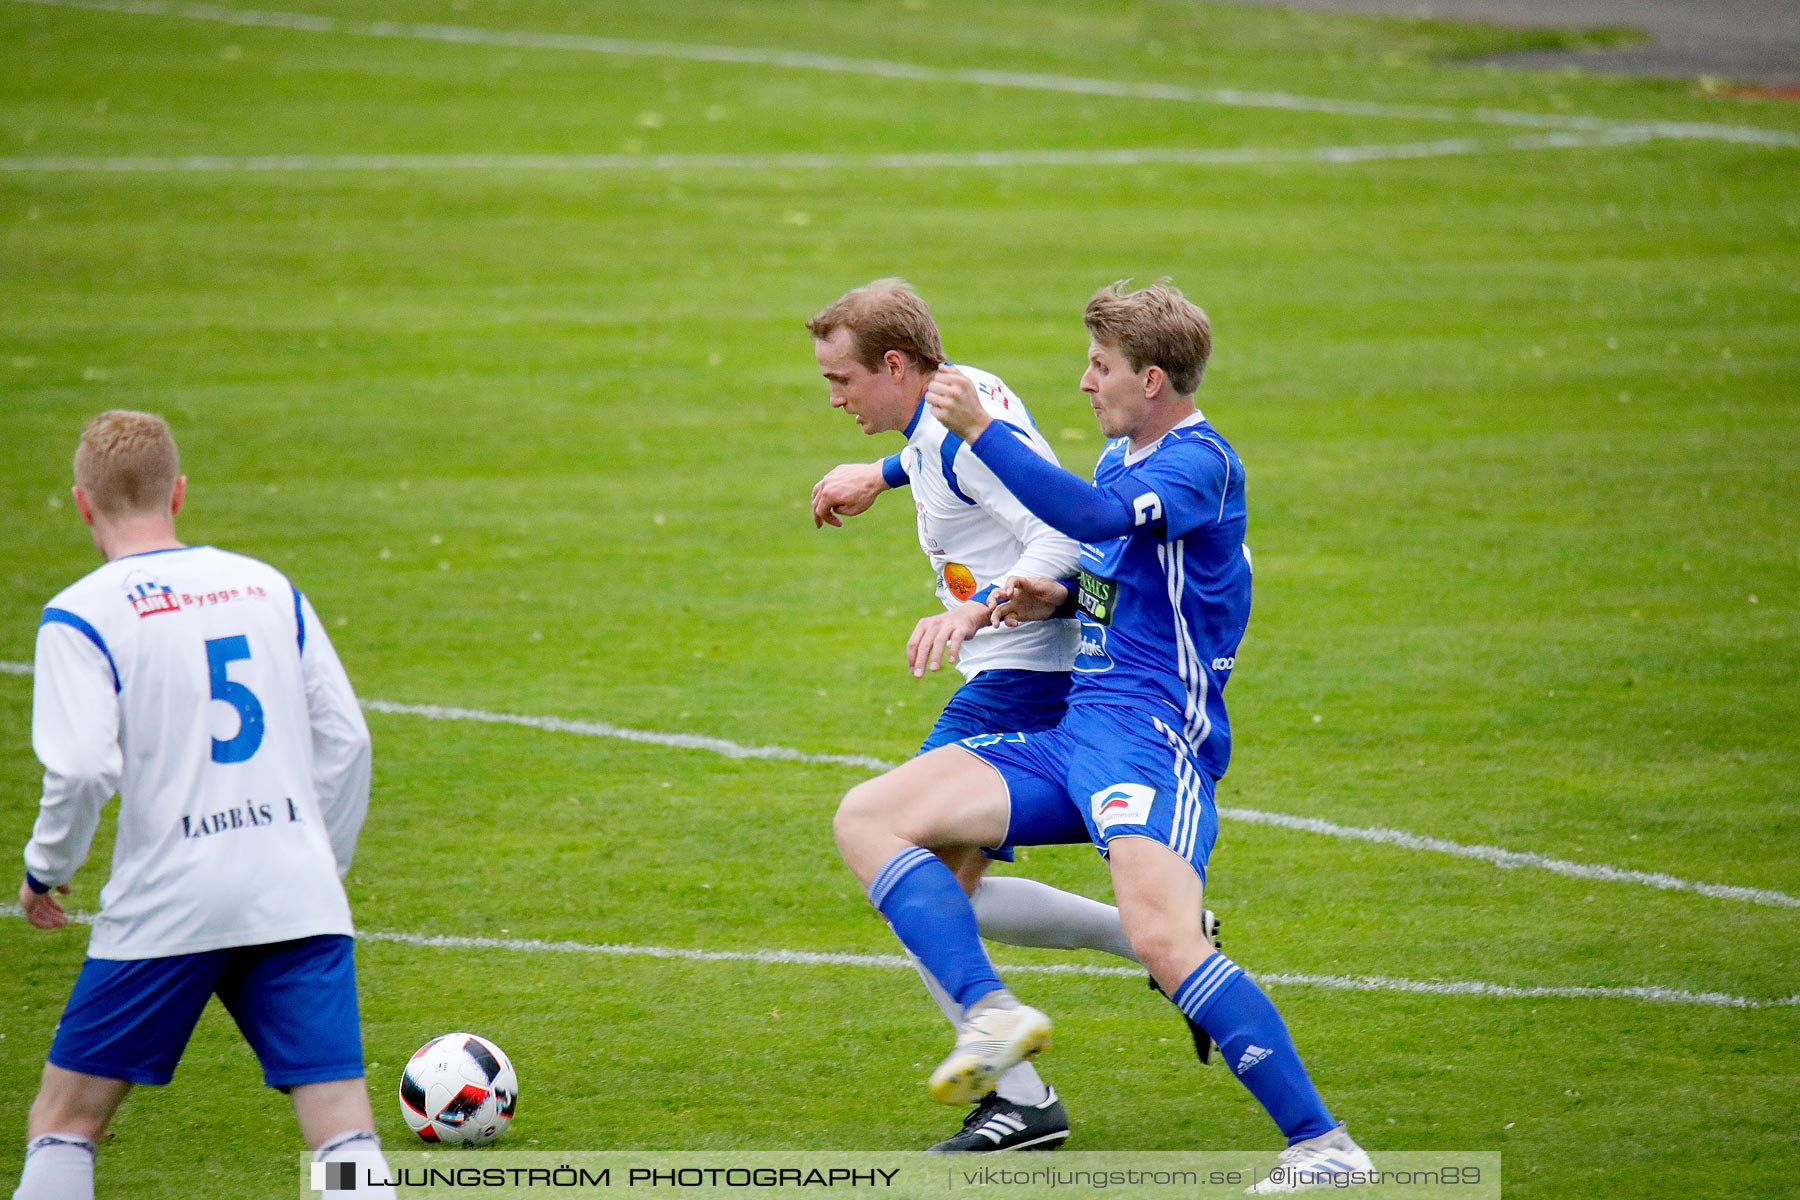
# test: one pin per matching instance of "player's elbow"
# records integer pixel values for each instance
(89, 781)
(346, 754)
(357, 741)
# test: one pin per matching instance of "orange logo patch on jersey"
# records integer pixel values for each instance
(960, 580)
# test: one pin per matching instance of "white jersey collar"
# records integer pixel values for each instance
(1132, 457)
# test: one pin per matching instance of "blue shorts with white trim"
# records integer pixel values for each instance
(294, 1001)
(1105, 772)
(1001, 699)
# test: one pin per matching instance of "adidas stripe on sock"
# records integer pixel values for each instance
(1253, 1038)
(925, 904)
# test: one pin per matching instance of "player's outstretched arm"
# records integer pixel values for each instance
(849, 489)
(939, 638)
(342, 752)
(1059, 498)
(75, 732)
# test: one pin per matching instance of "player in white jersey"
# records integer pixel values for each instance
(1164, 597)
(879, 349)
(200, 686)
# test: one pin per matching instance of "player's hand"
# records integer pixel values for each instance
(1027, 598)
(846, 490)
(954, 401)
(938, 639)
(42, 909)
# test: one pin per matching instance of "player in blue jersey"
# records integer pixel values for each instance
(1163, 596)
(878, 348)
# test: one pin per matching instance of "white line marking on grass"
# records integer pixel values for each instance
(1349, 983)
(683, 741)
(1514, 859)
(896, 962)
(886, 69)
(1493, 855)
(941, 160)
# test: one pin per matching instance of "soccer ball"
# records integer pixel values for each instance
(458, 1089)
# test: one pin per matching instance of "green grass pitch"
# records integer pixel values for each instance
(1524, 463)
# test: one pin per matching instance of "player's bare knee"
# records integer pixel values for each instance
(1168, 954)
(862, 813)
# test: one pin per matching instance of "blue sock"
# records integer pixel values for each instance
(1254, 1041)
(930, 913)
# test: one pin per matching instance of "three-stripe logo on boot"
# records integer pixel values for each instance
(1252, 1055)
(1000, 1126)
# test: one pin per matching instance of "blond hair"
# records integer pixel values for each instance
(1154, 326)
(881, 316)
(127, 462)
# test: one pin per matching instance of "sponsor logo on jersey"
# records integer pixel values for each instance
(148, 598)
(1091, 654)
(1224, 664)
(1122, 804)
(960, 580)
(249, 815)
(249, 591)
(1097, 596)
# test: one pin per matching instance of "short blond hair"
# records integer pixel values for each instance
(1153, 326)
(127, 462)
(881, 316)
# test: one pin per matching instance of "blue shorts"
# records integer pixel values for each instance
(1028, 700)
(294, 1001)
(1009, 699)
(1105, 772)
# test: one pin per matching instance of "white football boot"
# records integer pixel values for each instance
(997, 1033)
(1324, 1161)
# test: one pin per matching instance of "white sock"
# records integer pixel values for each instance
(1024, 912)
(58, 1166)
(1021, 1085)
(952, 1011)
(362, 1149)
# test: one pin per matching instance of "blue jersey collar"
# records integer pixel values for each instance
(148, 553)
(917, 413)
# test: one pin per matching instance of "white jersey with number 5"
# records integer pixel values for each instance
(199, 686)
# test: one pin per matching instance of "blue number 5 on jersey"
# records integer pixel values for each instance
(220, 654)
